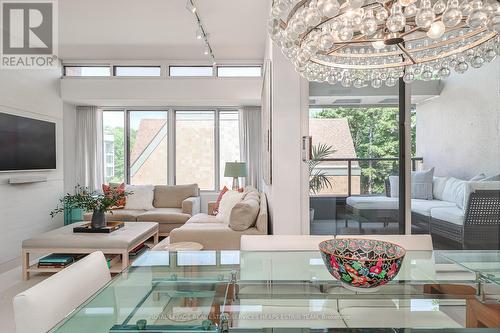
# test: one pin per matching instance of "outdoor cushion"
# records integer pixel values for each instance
(394, 183)
(372, 202)
(423, 207)
(492, 178)
(421, 184)
(449, 214)
(164, 215)
(478, 177)
(438, 184)
(172, 196)
(454, 191)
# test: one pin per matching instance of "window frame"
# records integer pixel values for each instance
(169, 74)
(137, 66)
(171, 139)
(87, 66)
(238, 66)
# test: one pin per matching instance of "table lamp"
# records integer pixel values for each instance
(235, 169)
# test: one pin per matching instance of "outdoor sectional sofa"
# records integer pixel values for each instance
(466, 212)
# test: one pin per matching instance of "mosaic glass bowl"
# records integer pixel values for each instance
(362, 263)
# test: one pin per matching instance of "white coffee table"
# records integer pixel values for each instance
(64, 240)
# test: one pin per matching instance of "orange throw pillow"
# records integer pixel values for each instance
(110, 190)
(219, 198)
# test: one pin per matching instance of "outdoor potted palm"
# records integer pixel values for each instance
(91, 201)
(318, 179)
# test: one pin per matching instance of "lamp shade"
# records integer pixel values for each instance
(235, 169)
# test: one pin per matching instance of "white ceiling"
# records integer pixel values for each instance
(160, 29)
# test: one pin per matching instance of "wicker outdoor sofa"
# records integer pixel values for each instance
(473, 221)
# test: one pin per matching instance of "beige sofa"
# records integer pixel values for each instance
(216, 235)
(173, 206)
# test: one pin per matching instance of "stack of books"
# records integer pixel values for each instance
(58, 260)
(138, 250)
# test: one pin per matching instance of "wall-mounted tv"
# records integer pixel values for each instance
(26, 144)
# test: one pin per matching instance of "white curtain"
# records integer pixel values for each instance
(250, 144)
(89, 153)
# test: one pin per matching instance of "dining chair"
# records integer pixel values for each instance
(41, 307)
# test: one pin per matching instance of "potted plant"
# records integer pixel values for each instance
(91, 201)
(318, 178)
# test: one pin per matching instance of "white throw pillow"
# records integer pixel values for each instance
(438, 184)
(229, 200)
(454, 191)
(421, 184)
(141, 198)
(394, 183)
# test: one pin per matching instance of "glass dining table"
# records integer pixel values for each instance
(291, 291)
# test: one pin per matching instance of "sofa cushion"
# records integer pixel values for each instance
(213, 236)
(423, 207)
(421, 184)
(227, 203)
(492, 178)
(438, 184)
(454, 191)
(141, 197)
(372, 202)
(244, 213)
(203, 218)
(129, 215)
(164, 215)
(172, 196)
(453, 215)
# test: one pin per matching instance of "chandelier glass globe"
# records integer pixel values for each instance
(363, 43)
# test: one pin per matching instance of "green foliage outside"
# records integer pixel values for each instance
(119, 143)
(374, 132)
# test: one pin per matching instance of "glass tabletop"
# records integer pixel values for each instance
(485, 263)
(212, 291)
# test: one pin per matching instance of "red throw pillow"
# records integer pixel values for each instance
(120, 189)
(219, 198)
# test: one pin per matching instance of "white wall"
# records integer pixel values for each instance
(287, 193)
(162, 91)
(458, 132)
(24, 209)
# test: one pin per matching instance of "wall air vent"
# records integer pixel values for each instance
(347, 101)
(389, 101)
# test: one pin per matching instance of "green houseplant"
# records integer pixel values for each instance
(91, 201)
(318, 178)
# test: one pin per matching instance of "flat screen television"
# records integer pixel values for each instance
(26, 144)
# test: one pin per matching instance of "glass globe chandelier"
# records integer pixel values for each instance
(375, 42)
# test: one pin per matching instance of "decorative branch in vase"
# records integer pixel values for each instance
(91, 201)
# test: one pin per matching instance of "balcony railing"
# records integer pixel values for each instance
(364, 176)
